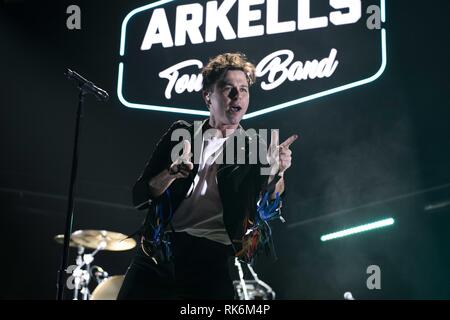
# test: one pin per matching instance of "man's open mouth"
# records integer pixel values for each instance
(235, 108)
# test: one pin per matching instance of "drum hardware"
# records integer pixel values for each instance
(82, 277)
(83, 272)
(108, 289)
(99, 274)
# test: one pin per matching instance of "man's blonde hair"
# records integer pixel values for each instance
(220, 64)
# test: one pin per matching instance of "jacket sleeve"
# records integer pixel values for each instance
(159, 160)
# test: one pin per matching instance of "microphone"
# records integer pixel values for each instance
(87, 85)
(348, 296)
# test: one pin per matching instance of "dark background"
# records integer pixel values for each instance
(376, 151)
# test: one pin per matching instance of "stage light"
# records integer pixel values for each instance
(359, 229)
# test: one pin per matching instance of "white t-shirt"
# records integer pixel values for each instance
(201, 213)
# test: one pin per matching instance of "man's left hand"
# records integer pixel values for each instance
(279, 155)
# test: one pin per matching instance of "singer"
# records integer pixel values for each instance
(202, 214)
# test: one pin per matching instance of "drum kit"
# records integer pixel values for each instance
(108, 287)
(84, 271)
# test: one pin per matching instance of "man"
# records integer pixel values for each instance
(202, 213)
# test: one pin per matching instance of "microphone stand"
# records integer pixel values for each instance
(84, 89)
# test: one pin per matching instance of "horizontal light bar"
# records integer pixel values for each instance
(363, 228)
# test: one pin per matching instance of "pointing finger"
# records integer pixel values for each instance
(289, 141)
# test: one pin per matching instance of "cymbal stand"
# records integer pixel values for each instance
(82, 277)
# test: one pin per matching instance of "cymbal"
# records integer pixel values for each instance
(111, 241)
(60, 239)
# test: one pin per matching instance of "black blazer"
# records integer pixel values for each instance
(240, 184)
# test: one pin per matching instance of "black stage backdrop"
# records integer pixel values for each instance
(373, 151)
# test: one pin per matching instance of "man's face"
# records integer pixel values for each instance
(229, 99)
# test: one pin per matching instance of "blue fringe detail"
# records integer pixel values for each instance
(159, 240)
(266, 210)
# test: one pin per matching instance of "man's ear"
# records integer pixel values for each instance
(206, 97)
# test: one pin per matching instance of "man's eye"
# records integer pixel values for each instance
(244, 89)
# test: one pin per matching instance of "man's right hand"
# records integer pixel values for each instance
(178, 169)
(181, 167)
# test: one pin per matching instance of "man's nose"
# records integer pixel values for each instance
(234, 93)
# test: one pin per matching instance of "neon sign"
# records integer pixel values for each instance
(305, 52)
